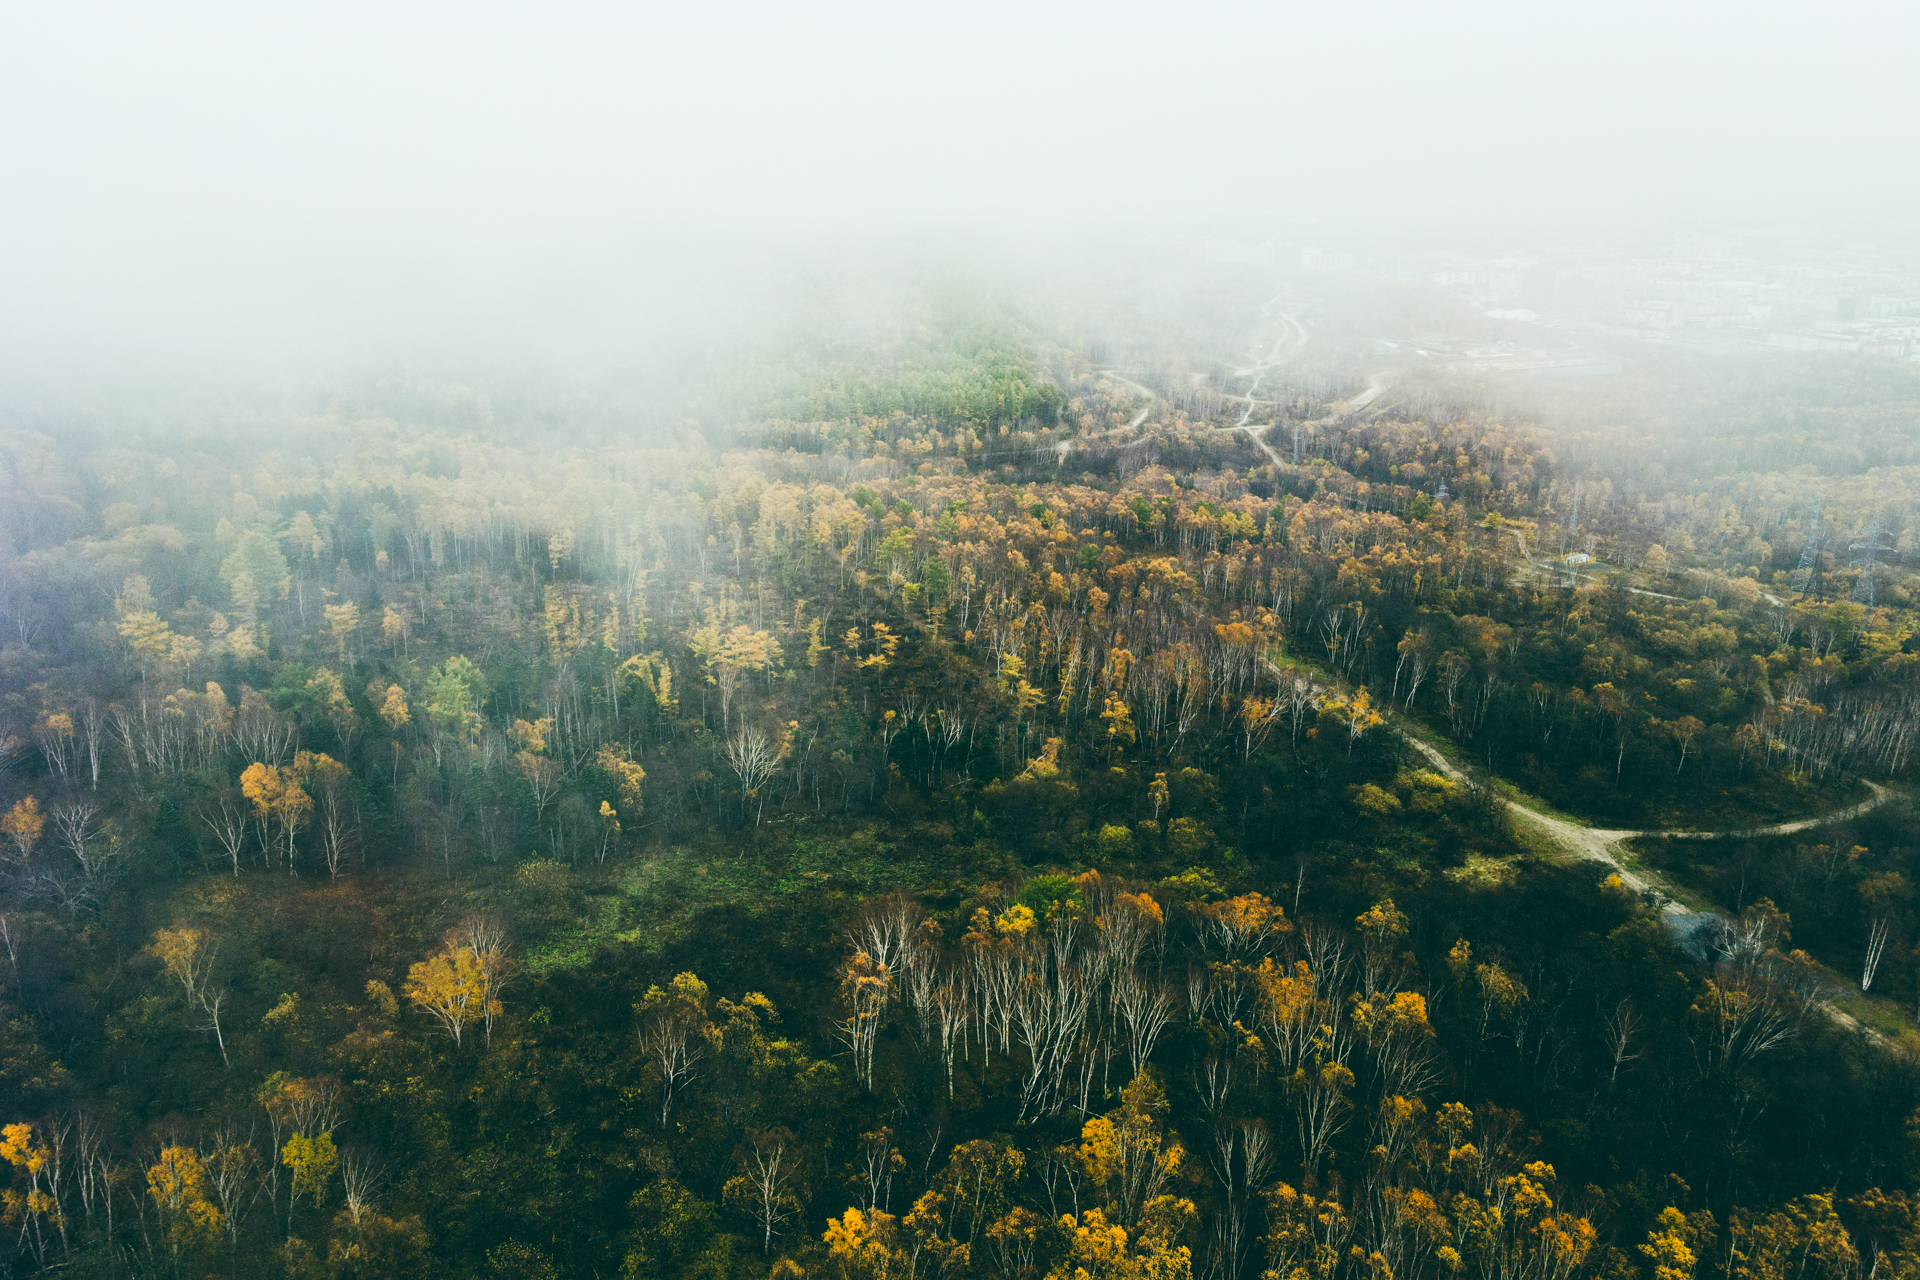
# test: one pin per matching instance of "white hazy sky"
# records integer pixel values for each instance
(183, 175)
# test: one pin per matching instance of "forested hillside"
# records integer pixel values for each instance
(948, 817)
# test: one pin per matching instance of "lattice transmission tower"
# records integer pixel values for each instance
(1809, 554)
(1864, 552)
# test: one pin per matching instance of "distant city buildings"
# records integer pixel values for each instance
(1726, 291)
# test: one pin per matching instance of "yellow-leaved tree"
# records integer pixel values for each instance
(30, 1207)
(729, 657)
(22, 827)
(653, 673)
(393, 708)
(391, 699)
(617, 762)
(343, 621)
(866, 1245)
(609, 831)
(460, 984)
(280, 803)
(178, 1185)
(675, 1032)
(1131, 1159)
(541, 772)
(189, 956)
(393, 626)
(1357, 715)
(313, 1160)
(338, 826)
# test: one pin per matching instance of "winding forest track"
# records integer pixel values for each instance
(1143, 389)
(1286, 344)
(1292, 336)
(1578, 838)
(1602, 845)
(1065, 447)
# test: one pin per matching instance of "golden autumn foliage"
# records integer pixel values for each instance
(1131, 1160)
(1097, 1247)
(1016, 921)
(652, 672)
(187, 954)
(460, 983)
(865, 1245)
(343, 622)
(1243, 926)
(618, 764)
(1103, 598)
(1046, 764)
(1356, 713)
(393, 708)
(531, 735)
(275, 792)
(312, 1158)
(30, 1204)
(448, 987)
(22, 827)
(393, 624)
(177, 1182)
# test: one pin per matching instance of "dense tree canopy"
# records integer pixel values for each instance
(957, 818)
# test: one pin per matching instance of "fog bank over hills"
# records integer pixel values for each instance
(223, 188)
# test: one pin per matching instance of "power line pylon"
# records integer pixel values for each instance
(1809, 554)
(1866, 549)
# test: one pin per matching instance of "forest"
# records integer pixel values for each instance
(941, 798)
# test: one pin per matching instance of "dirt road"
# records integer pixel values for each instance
(1603, 843)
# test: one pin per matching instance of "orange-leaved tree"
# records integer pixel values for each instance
(1357, 715)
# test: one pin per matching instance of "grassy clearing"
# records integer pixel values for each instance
(1482, 872)
(1631, 857)
(653, 903)
(1878, 1012)
(1542, 843)
(1526, 799)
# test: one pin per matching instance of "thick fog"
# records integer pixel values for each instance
(257, 185)
(986, 641)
